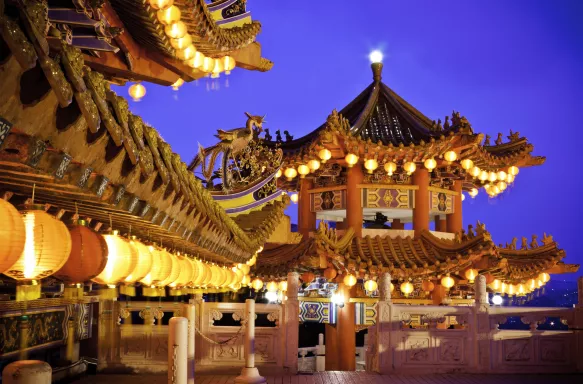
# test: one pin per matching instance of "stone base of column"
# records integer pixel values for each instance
(250, 376)
(27, 372)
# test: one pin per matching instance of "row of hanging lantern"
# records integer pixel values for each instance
(520, 289)
(169, 16)
(35, 245)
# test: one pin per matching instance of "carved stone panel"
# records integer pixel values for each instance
(554, 351)
(451, 350)
(418, 350)
(517, 350)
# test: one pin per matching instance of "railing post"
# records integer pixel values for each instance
(383, 360)
(480, 329)
(190, 312)
(250, 374)
(320, 354)
(177, 350)
(292, 319)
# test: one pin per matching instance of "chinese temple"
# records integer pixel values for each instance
(116, 255)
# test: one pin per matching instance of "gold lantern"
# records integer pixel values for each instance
(495, 285)
(121, 261)
(349, 280)
(290, 173)
(407, 288)
(314, 165)
(544, 277)
(186, 272)
(294, 198)
(307, 277)
(272, 286)
(87, 259)
(447, 282)
(324, 154)
(143, 267)
(531, 285)
(184, 54)
(160, 271)
(370, 285)
(483, 176)
(257, 284)
(278, 173)
(492, 176)
(471, 274)
(137, 91)
(197, 61)
(502, 185)
(330, 273)
(371, 165)
(12, 235)
(228, 64)
(513, 170)
(502, 175)
(46, 250)
(521, 290)
(200, 273)
(177, 84)
(427, 286)
(303, 170)
(244, 268)
(511, 290)
(175, 30)
(282, 286)
(217, 69)
(161, 4)
(168, 15)
(351, 159)
(390, 168)
(473, 192)
(246, 280)
(409, 167)
(450, 156)
(510, 179)
(182, 43)
(207, 64)
(174, 270)
(475, 171)
(503, 288)
(467, 164)
(430, 164)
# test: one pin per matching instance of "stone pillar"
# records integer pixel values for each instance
(383, 356)
(178, 350)
(27, 372)
(481, 327)
(354, 200)
(421, 208)
(454, 220)
(190, 311)
(250, 374)
(306, 218)
(396, 224)
(346, 332)
(292, 322)
(440, 224)
(321, 354)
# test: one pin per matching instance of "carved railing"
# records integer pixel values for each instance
(317, 361)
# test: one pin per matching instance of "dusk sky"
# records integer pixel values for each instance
(504, 64)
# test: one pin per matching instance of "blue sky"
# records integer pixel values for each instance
(504, 64)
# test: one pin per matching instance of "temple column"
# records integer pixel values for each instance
(249, 373)
(421, 208)
(292, 322)
(481, 339)
(178, 350)
(454, 220)
(346, 332)
(190, 311)
(306, 218)
(440, 224)
(354, 199)
(384, 352)
(396, 224)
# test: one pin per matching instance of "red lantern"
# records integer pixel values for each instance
(427, 286)
(307, 277)
(330, 274)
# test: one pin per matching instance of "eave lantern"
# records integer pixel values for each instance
(544, 277)
(447, 282)
(324, 154)
(450, 156)
(294, 198)
(290, 173)
(228, 64)
(471, 274)
(177, 84)
(349, 280)
(87, 259)
(407, 288)
(257, 284)
(513, 170)
(141, 270)
(430, 164)
(427, 286)
(282, 286)
(307, 277)
(330, 273)
(370, 285)
(272, 286)
(314, 165)
(467, 164)
(351, 159)
(160, 271)
(409, 167)
(161, 4)
(121, 260)
(371, 165)
(303, 170)
(390, 168)
(12, 235)
(137, 91)
(46, 250)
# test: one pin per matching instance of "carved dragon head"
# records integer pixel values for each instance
(257, 121)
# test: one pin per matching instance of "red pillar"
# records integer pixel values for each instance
(440, 224)
(354, 199)
(421, 210)
(454, 220)
(306, 218)
(331, 342)
(346, 328)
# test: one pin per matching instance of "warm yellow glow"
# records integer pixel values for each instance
(186, 53)
(28, 252)
(473, 192)
(303, 170)
(407, 288)
(177, 84)
(294, 198)
(392, 289)
(430, 164)
(494, 189)
(183, 42)
(502, 185)
(501, 175)
(467, 164)
(510, 179)
(471, 274)
(531, 285)
(175, 30)
(475, 171)
(390, 168)
(121, 260)
(169, 15)
(370, 285)
(483, 176)
(544, 277)
(143, 264)
(207, 64)
(351, 159)
(217, 68)
(282, 286)
(290, 173)
(376, 56)
(278, 173)
(161, 4)
(409, 167)
(492, 176)
(324, 155)
(450, 156)
(521, 290)
(272, 286)
(463, 196)
(313, 165)
(371, 165)
(246, 280)
(447, 282)
(137, 91)
(228, 64)
(511, 289)
(513, 170)
(257, 284)
(244, 268)
(197, 61)
(496, 284)
(349, 280)
(186, 272)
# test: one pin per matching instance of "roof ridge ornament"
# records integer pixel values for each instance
(377, 71)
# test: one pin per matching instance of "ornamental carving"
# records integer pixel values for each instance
(273, 316)
(451, 350)
(517, 350)
(418, 350)
(217, 315)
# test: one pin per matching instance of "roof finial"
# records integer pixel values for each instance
(376, 58)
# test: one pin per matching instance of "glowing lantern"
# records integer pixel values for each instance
(208, 275)
(176, 30)
(244, 268)
(272, 286)
(174, 270)
(282, 286)
(495, 285)
(197, 60)
(294, 198)
(501, 175)
(471, 274)
(503, 287)
(137, 91)
(177, 84)
(330, 273)
(475, 171)
(502, 185)
(207, 64)
(228, 64)
(351, 159)
(186, 53)
(531, 285)
(513, 170)
(143, 263)
(544, 277)
(251, 262)
(450, 156)
(246, 280)
(511, 289)
(492, 176)
(161, 4)
(313, 165)
(349, 280)
(168, 15)
(217, 68)
(510, 179)
(307, 277)
(217, 276)
(303, 170)
(521, 290)
(483, 176)
(430, 164)
(182, 43)
(160, 271)
(371, 165)
(257, 284)
(407, 288)
(463, 196)
(473, 192)
(494, 189)
(392, 289)
(278, 173)
(447, 282)
(290, 173)
(324, 154)
(370, 285)
(427, 286)
(409, 167)
(467, 164)
(121, 260)
(390, 168)
(12, 235)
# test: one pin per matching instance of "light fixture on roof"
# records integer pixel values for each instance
(176, 30)
(290, 173)
(497, 300)
(376, 56)
(314, 165)
(137, 91)
(351, 159)
(325, 155)
(186, 53)
(371, 165)
(510, 178)
(168, 15)
(407, 288)
(467, 164)
(390, 168)
(294, 198)
(161, 4)
(450, 156)
(430, 164)
(303, 170)
(181, 43)
(475, 171)
(473, 192)
(409, 167)
(177, 84)
(513, 170)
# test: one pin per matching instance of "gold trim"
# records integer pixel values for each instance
(388, 186)
(325, 189)
(443, 190)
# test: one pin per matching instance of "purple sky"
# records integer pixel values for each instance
(503, 64)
